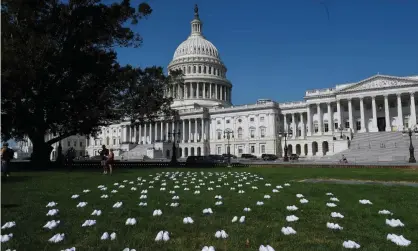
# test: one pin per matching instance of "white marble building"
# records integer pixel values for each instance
(323, 123)
(77, 142)
(379, 103)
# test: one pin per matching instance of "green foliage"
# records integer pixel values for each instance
(142, 94)
(60, 73)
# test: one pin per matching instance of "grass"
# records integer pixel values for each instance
(25, 195)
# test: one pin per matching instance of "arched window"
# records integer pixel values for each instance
(252, 132)
(262, 132)
(188, 69)
(219, 134)
(239, 132)
(210, 70)
(200, 69)
(194, 68)
(316, 127)
(204, 69)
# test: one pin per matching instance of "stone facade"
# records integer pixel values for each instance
(322, 124)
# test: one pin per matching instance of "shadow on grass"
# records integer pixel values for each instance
(6, 206)
(13, 179)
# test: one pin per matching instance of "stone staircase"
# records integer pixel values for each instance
(136, 153)
(378, 147)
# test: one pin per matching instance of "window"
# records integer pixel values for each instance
(239, 120)
(299, 132)
(240, 150)
(227, 121)
(114, 141)
(252, 132)
(219, 134)
(218, 122)
(262, 132)
(210, 70)
(358, 125)
(81, 143)
(261, 119)
(219, 150)
(406, 122)
(347, 124)
(315, 127)
(263, 149)
(251, 119)
(68, 143)
(75, 143)
(240, 133)
(336, 125)
(194, 69)
(326, 127)
(252, 149)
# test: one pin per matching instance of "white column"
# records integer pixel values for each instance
(387, 115)
(196, 133)
(330, 119)
(285, 123)
(294, 126)
(400, 115)
(166, 131)
(210, 90)
(319, 113)
(145, 134)
(197, 90)
(340, 114)
(190, 130)
(161, 130)
(374, 127)
(225, 96)
(350, 114)
(203, 129)
(122, 134)
(140, 134)
(413, 116)
(362, 120)
(216, 91)
(303, 130)
(155, 131)
(184, 130)
(309, 120)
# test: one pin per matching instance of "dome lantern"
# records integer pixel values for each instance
(196, 23)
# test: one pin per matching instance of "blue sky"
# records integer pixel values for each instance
(279, 49)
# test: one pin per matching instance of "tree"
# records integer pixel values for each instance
(143, 94)
(60, 73)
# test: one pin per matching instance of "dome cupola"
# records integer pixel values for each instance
(205, 74)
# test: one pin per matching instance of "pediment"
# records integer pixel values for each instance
(380, 82)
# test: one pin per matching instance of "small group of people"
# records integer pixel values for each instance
(107, 159)
(343, 160)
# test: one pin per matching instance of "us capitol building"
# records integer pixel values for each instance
(323, 124)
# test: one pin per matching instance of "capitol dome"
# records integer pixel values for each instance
(206, 84)
(196, 45)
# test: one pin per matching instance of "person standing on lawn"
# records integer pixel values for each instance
(110, 160)
(103, 154)
(7, 155)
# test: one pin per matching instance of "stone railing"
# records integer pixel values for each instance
(245, 107)
(294, 104)
(319, 92)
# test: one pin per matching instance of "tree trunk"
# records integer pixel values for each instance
(41, 152)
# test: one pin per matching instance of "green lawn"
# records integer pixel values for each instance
(25, 196)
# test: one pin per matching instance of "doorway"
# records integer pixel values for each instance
(381, 124)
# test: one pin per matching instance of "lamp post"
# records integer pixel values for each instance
(174, 155)
(285, 135)
(340, 129)
(409, 131)
(227, 134)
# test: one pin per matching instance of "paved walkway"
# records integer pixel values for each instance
(361, 182)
